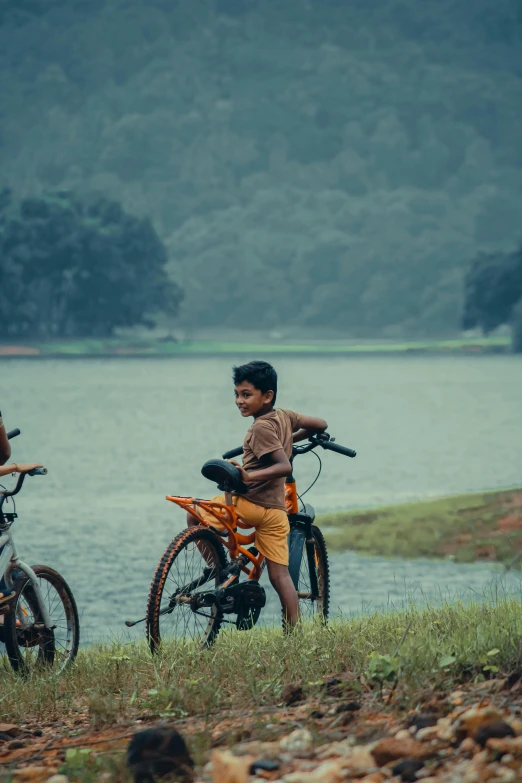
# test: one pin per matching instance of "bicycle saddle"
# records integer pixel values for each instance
(227, 477)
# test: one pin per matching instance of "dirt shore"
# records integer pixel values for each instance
(350, 730)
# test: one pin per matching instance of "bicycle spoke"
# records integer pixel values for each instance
(193, 570)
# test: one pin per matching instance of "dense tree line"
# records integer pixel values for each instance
(306, 162)
(71, 267)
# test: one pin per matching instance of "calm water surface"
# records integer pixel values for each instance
(119, 435)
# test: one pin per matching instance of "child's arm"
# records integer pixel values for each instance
(280, 467)
(309, 425)
(5, 470)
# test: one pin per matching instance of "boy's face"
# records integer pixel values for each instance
(252, 401)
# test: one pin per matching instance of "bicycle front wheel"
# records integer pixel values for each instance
(29, 644)
(191, 564)
(313, 588)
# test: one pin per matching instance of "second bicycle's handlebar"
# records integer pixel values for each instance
(21, 478)
(13, 434)
(315, 440)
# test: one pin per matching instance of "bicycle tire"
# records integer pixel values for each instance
(30, 646)
(319, 607)
(184, 543)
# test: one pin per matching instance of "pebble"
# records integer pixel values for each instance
(227, 768)
(10, 729)
(265, 765)
(497, 730)
(407, 769)
(298, 741)
(472, 720)
(468, 745)
(16, 744)
(342, 748)
(391, 749)
(360, 761)
(423, 720)
(329, 772)
(428, 733)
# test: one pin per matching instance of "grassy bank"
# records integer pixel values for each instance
(155, 347)
(466, 528)
(426, 647)
(257, 687)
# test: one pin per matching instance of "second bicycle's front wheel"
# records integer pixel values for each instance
(29, 644)
(191, 564)
(313, 587)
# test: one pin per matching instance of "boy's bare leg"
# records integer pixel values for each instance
(205, 551)
(281, 581)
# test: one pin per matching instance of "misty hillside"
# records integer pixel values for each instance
(305, 161)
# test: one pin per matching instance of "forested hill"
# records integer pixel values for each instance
(333, 162)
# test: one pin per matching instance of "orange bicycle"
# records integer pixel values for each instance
(196, 588)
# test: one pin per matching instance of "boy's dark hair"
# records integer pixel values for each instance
(260, 374)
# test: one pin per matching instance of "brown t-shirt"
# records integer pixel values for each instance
(269, 433)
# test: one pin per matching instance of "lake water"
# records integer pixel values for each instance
(119, 435)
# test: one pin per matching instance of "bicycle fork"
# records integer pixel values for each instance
(301, 540)
(10, 562)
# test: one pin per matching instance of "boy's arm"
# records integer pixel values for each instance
(309, 425)
(280, 467)
(5, 470)
(5, 448)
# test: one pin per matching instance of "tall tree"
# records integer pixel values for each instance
(77, 267)
(493, 288)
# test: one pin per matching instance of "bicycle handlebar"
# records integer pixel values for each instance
(314, 441)
(21, 478)
(13, 434)
(233, 453)
(327, 444)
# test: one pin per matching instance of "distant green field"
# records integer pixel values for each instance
(151, 347)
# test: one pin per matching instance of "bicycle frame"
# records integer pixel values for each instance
(9, 560)
(226, 514)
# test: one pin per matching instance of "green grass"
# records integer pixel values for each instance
(115, 683)
(465, 528)
(152, 347)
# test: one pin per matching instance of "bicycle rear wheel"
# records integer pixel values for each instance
(29, 644)
(191, 564)
(314, 606)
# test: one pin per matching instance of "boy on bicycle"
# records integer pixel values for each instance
(267, 449)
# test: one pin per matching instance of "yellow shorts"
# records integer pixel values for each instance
(271, 525)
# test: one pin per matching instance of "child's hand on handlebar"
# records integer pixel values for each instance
(5, 470)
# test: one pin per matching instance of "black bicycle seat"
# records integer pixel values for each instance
(227, 476)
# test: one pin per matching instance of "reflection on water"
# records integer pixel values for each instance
(119, 435)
